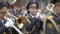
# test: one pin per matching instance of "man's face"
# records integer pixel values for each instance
(2, 14)
(32, 10)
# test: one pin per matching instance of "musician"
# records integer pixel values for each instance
(34, 26)
(51, 24)
(6, 25)
(5, 22)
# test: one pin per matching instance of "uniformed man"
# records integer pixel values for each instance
(5, 22)
(4, 25)
(51, 26)
(33, 27)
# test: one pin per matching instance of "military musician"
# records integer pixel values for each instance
(34, 26)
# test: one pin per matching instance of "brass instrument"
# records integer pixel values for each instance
(20, 20)
(50, 8)
(54, 23)
(24, 20)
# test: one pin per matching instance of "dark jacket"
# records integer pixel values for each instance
(34, 22)
(3, 28)
(48, 23)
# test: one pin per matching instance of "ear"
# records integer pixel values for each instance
(28, 9)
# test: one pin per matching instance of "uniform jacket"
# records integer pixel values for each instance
(52, 30)
(34, 22)
(3, 28)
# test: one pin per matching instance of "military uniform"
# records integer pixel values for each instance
(35, 23)
(3, 28)
(34, 26)
(4, 21)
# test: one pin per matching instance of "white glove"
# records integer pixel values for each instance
(9, 23)
(21, 26)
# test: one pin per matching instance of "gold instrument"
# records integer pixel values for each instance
(20, 20)
(50, 8)
(23, 20)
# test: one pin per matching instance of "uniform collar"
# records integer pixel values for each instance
(32, 15)
(3, 20)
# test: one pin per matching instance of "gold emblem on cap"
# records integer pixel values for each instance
(4, 9)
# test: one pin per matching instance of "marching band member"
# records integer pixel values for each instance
(5, 22)
(34, 26)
